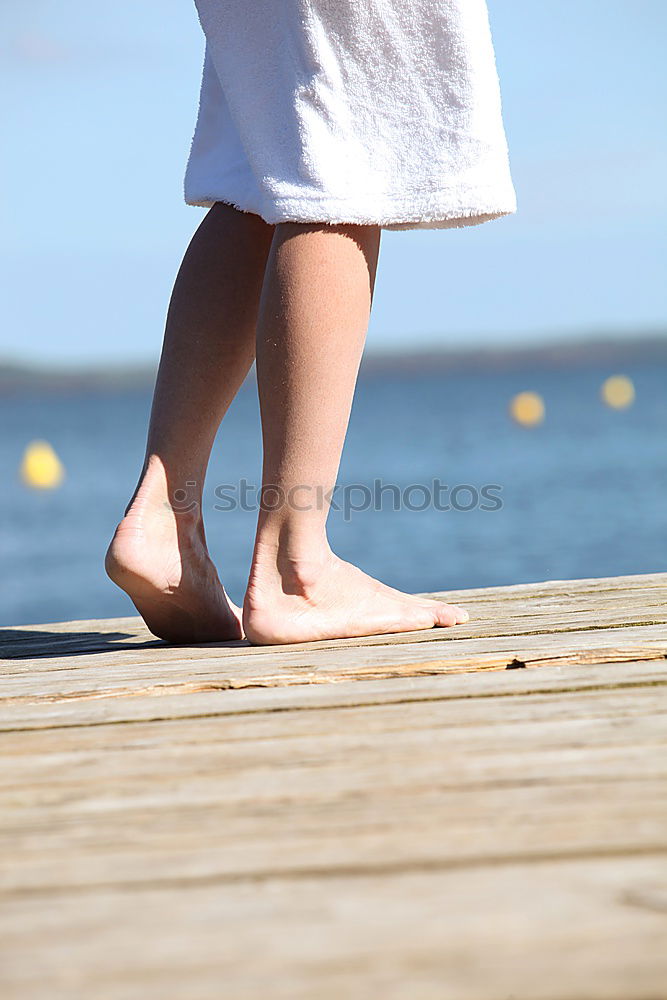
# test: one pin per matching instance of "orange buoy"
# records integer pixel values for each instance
(618, 392)
(41, 469)
(527, 409)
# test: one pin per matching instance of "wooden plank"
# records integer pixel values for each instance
(456, 782)
(584, 585)
(534, 625)
(548, 931)
(91, 677)
(188, 821)
(568, 681)
(516, 610)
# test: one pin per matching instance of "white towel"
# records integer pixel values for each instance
(382, 112)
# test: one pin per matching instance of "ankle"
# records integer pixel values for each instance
(161, 493)
(294, 565)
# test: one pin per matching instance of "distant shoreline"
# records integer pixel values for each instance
(612, 351)
(616, 350)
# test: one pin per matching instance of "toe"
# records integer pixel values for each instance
(445, 614)
(450, 614)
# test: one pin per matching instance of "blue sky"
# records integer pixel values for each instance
(99, 104)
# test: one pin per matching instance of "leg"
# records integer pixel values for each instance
(158, 553)
(313, 315)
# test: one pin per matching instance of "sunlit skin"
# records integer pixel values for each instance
(298, 296)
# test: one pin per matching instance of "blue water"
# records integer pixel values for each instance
(581, 495)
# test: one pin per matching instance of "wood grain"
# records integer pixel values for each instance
(401, 817)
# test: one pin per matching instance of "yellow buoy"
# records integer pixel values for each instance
(41, 468)
(618, 392)
(527, 408)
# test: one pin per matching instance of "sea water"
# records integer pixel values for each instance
(438, 488)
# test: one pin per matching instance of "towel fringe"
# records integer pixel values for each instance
(438, 219)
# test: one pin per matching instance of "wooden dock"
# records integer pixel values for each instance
(469, 814)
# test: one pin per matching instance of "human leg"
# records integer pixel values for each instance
(158, 554)
(314, 312)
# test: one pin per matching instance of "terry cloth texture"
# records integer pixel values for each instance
(383, 112)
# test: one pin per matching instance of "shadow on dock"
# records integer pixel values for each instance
(21, 644)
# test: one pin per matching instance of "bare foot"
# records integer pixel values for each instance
(159, 558)
(330, 599)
